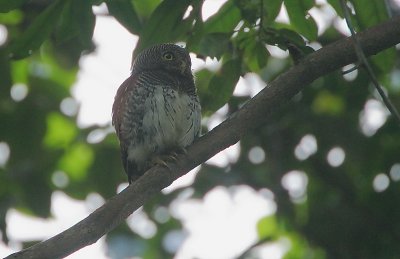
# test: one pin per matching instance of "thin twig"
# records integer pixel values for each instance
(363, 60)
(355, 67)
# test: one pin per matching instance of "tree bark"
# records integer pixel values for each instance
(249, 117)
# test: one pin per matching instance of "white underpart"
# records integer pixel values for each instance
(173, 121)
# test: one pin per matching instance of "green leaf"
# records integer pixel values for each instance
(293, 37)
(251, 10)
(271, 10)
(385, 61)
(267, 227)
(60, 131)
(77, 161)
(255, 56)
(165, 24)
(73, 33)
(124, 11)
(225, 20)
(36, 195)
(19, 71)
(300, 19)
(67, 24)
(214, 44)
(145, 8)
(328, 103)
(299, 248)
(11, 18)
(203, 78)
(86, 18)
(197, 31)
(283, 37)
(337, 6)
(39, 30)
(222, 84)
(57, 73)
(369, 13)
(8, 5)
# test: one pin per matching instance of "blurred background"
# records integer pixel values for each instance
(320, 180)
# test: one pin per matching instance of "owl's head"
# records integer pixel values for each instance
(169, 57)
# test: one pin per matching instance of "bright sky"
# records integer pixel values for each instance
(221, 225)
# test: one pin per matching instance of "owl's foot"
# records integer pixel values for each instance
(164, 160)
(181, 151)
(171, 157)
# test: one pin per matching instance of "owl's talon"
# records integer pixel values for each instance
(163, 160)
(182, 150)
(159, 161)
(173, 156)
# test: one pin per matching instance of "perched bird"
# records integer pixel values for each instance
(156, 110)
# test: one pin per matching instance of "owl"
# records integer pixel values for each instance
(156, 110)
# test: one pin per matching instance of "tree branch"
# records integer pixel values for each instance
(251, 116)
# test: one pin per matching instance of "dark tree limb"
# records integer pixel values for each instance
(251, 116)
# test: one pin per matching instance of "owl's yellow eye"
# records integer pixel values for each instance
(168, 56)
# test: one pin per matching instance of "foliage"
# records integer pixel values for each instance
(340, 214)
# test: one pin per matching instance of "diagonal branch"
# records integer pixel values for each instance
(251, 116)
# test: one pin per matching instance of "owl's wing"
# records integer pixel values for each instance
(120, 103)
(118, 110)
